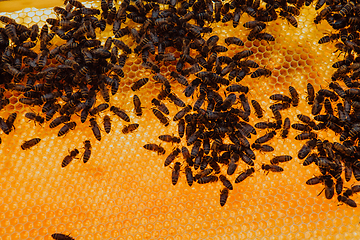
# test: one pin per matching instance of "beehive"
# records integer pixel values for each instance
(124, 192)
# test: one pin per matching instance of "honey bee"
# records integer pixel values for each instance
(286, 127)
(95, 129)
(69, 158)
(120, 113)
(139, 83)
(181, 127)
(10, 121)
(30, 143)
(189, 176)
(234, 40)
(347, 201)
(279, 159)
(261, 72)
(169, 159)
(258, 110)
(267, 137)
(353, 190)
(87, 152)
(154, 147)
(262, 148)
(137, 106)
(130, 128)
(175, 173)
(306, 135)
(66, 128)
(224, 194)
(59, 120)
(60, 236)
(306, 120)
(164, 120)
(226, 182)
(101, 107)
(169, 138)
(107, 123)
(271, 168)
(290, 18)
(35, 117)
(244, 175)
(243, 54)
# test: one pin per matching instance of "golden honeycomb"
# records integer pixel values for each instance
(124, 192)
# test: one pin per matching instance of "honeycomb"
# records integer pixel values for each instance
(124, 192)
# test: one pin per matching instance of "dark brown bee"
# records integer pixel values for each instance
(258, 110)
(60, 236)
(306, 135)
(271, 168)
(87, 152)
(290, 18)
(181, 79)
(66, 128)
(266, 137)
(169, 159)
(107, 123)
(137, 105)
(261, 72)
(10, 121)
(120, 113)
(224, 194)
(76, 3)
(164, 120)
(175, 173)
(181, 127)
(280, 97)
(189, 175)
(35, 117)
(161, 106)
(169, 138)
(243, 54)
(69, 158)
(244, 175)
(101, 107)
(30, 143)
(154, 147)
(264, 125)
(234, 40)
(294, 96)
(59, 120)
(347, 201)
(226, 182)
(130, 128)
(263, 148)
(353, 190)
(139, 83)
(286, 127)
(306, 120)
(177, 101)
(279, 159)
(95, 129)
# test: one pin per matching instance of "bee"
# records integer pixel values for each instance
(95, 129)
(137, 106)
(139, 83)
(10, 121)
(175, 173)
(353, 190)
(234, 40)
(181, 127)
(261, 72)
(181, 79)
(244, 175)
(243, 54)
(207, 179)
(294, 96)
(164, 120)
(189, 175)
(10, 31)
(271, 168)
(87, 152)
(60, 236)
(107, 123)
(267, 137)
(154, 147)
(161, 106)
(30, 143)
(59, 120)
(290, 18)
(258, 110)
(120, 113)
(224, 194)
(101, 107)
(226, 182)
(169, 138)
(69, 158)
(130, 128)
(169, 159)
(279, 159)
(263, 148)
(280, 97)
(339, 186)
(347, 201)
(286, 127)
(35, 117)
(306, 119)
(177, 101)
(66, 128)
(265, 125)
